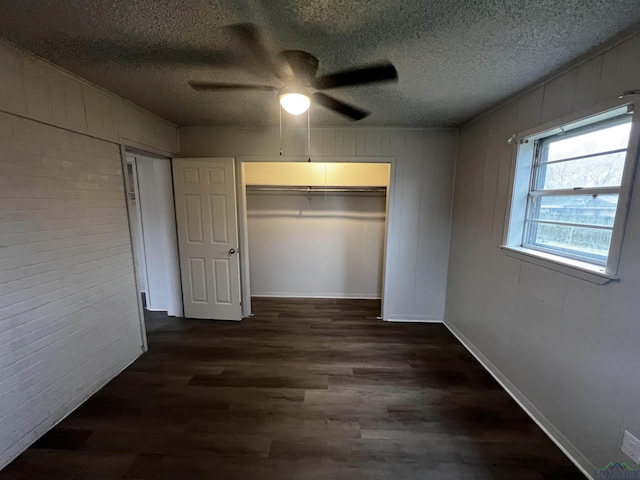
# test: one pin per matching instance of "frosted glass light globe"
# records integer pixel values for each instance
(295, 103)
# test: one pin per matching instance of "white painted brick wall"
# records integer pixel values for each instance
(68, 309)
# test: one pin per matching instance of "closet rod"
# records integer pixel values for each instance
(311, 189)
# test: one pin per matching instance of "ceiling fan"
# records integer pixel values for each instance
(296, 71)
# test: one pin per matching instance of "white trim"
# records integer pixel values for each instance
(141, 253)
(145, 149)
(415, 318)
(127, 188)
(391, 181)
(242, 217)
(626, 190)
(243, 239)
(575, 268)
(580, 461)
(597, 113)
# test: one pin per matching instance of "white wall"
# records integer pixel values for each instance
(158, 222)
(569, 349)
(419, 220)
(316, 246)
(69, 318)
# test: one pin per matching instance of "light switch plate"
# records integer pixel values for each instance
(631, 447)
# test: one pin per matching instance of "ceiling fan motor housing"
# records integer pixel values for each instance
(303, 64)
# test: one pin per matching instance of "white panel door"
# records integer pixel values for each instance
(205, 197)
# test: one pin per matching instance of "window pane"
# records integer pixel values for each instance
(586, 242)
(579, 209)
(601, 171)
(607, 139)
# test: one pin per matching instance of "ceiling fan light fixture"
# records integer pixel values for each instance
(295, 102)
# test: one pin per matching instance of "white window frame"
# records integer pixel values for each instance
(524, 158)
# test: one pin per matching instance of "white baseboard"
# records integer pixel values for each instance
(414, 318)
(585, 466)
(342, 296)
(151, 309)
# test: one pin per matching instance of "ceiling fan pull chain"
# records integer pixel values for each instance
(308, 135)
(280, 109)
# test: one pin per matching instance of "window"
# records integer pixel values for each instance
(571, 191)
(575, 185)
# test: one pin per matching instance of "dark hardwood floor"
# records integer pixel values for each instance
(305, 389)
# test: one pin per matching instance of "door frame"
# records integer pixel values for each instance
(125, 145)
(155, 185)
(140, 253)
(243, 231)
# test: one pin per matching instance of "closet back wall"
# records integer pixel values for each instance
(316, 246)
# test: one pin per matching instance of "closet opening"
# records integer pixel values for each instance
(313, 230)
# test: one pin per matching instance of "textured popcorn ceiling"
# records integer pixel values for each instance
(454, 57)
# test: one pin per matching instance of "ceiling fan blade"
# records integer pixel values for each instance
(251, 38)
(384, 72)
(339, 106)
(210, 86)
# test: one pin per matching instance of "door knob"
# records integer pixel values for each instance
(232, 251)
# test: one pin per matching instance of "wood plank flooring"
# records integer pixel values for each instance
(305, 389)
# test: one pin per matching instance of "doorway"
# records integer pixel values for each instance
(151, 209)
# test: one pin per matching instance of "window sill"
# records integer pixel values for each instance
(574, 268)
